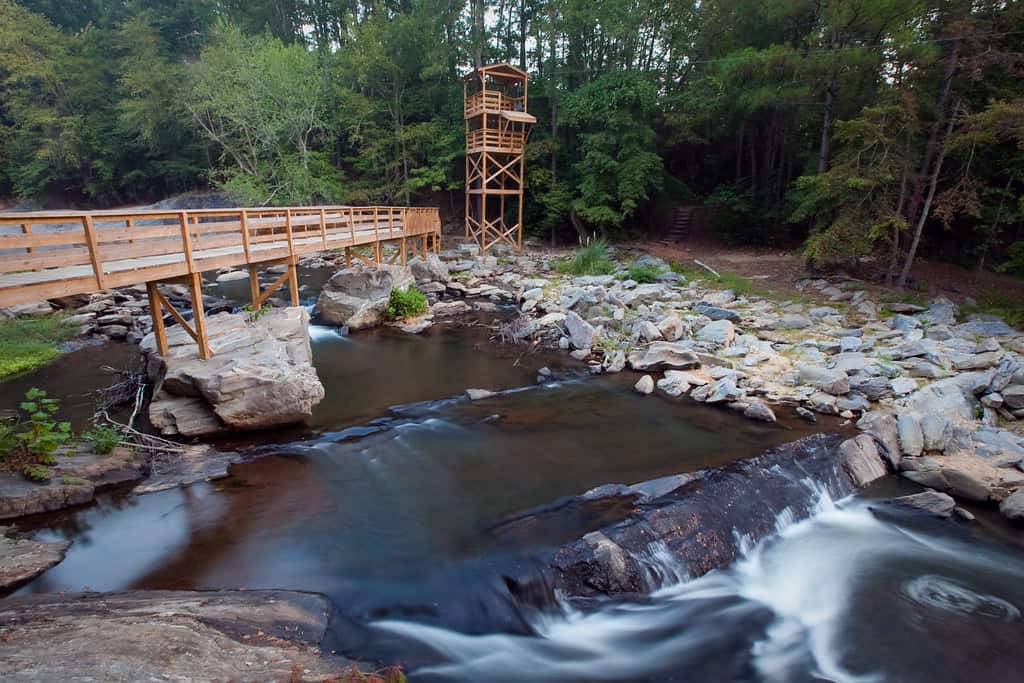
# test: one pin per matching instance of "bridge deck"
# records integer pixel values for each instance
(46, 255)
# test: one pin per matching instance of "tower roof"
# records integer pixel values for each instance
(502, 70)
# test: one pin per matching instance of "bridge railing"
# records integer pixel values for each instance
(107, 246)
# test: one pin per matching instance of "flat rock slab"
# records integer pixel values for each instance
(167, 636)
(75, 481)
(23, 559)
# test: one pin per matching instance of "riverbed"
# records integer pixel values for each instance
(394, 502)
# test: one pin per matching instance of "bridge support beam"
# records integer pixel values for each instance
(158, 302)
(290, 275)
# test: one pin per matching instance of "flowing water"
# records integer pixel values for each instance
(393, 502)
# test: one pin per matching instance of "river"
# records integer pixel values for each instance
(392, 501)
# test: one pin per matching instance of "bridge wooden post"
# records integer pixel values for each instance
(94, 250)
(195, 284)
(254, 284)
(404, 259)
(293, 280)
(157, 311)
(348, 257)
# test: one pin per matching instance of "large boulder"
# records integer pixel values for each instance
(357, 297)
(861, 461)
(581, 333)
(833, 382)
(664, 355)
(430, 269)
(261, 375)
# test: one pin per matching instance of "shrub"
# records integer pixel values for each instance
(1014, 260)
(643, 273)
(8, 437)
(406, 303)
(103, 438)
(591, 259)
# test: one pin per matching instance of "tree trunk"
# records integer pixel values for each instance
(825, 155)
(478, 33)
(933, 135)
(912, 252)
(522, 34)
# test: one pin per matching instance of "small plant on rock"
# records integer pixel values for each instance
(36, 472)
(103, 439)
(406, 303)
(41, 434)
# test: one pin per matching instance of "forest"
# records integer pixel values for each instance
(846, 128)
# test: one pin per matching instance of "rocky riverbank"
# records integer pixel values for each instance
(935, 395)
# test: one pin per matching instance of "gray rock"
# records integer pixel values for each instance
(479, 394)
(644, 385)
(23, 559)
(759, 410)
(251, 635)
(852, 362)
(581, 333)
(793, 321)
(874, 387)
(978, 361)
(904, 323)
(806, 414)
(881, 425)
(673, 328)
(431, 269)
(645, 331)
(934, 502)
(984, 328)
(933, 479)
(918, 367)
(1013, 397)
(675, 383)
(261, 375)
(716, 313)
(901, 386)
(861, 461)
(834, 382)
(823, 403)
(357, 297)
(964, 485)
(719, 332)
(936, 432)
(910, 436)
(664, 355)
(723, 390)
(941, 312)
(1013, 506)
(232, 276)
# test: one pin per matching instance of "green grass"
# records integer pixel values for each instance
(644, 274)
(406, 303)
(27, 343)
(592, 259)
(742, 286)
(1009, 308)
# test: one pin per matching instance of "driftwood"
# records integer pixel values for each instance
(706, 267)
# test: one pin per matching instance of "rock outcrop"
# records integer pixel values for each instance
(261, 375)
(23, 559)
(257, 635)
(700, 519)
(357, 297)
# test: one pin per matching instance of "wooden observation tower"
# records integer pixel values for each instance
(497, 126)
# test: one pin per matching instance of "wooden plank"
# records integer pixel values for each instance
(244, 226)
(199, 316)
(163, 301)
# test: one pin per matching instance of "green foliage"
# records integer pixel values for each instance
(36, 472)
(263, 104)
(644, 273)
(27, 343)
(102, 438)
(590, 259)
(1007, 307)
(252, 315)
(41, 434)
(1014, 262)
(406, 303)
(742, 286)
(619, 166)
(734, 216)
(8, 437)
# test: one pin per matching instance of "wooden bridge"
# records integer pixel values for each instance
(54, 254)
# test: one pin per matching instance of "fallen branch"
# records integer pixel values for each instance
(706, 267)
